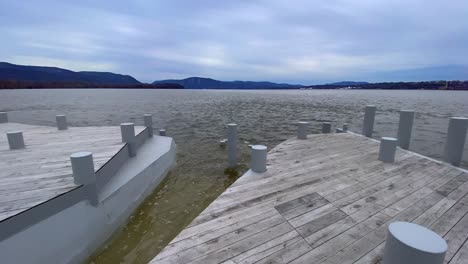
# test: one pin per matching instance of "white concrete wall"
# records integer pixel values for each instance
(73, 234)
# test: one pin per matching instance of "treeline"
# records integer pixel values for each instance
(14, 84)
(433, 85)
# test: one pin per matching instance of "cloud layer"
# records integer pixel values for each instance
(298, 41)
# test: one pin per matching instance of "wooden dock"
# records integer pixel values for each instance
(326, 199)
(42, 170)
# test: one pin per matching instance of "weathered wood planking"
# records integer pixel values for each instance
(42, 170)
(326, 199)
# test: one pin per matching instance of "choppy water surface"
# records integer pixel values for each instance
(197, 119)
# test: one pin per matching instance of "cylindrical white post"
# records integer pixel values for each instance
(369, 116)
(409, 243)
(83, 168)
(148, 118)
(345, 127)
(326, 127)
(3, 117)
(342, 130)
(387, 149)
(302, 130)
(455, 143)
(61, 122)
(258, 159)
(405, 126)
(162, 132)
(232, 144)
(15, 139)
(128, 136)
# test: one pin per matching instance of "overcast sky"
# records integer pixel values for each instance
(285, 41)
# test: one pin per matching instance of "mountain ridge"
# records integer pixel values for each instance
(9, 71)
(208, 83)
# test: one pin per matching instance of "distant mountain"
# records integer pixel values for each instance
(10, 71)
(207, 83)
(348, 83)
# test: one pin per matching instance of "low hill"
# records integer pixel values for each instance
(348, 83)
(207, 83)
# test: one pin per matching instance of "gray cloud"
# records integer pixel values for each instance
(294, 41)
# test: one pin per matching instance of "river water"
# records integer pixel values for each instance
(197, 120)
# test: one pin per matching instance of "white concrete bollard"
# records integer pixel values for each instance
(3, 117)
(128, 136)
(162, 132)
(369, 117)
(387, 149)
(148, 118)
(15, 139)
(342, 130)
(409, 243)
(302, 130)
(61, 122)
(456, 136)
(405, 127)
(232, 144)
(258, 159)
(326, 127)
(83, 168)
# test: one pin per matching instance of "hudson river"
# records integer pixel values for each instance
(197, 119)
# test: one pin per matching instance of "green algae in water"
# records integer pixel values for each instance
(172, 206)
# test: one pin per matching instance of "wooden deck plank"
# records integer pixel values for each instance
(42, 170)
(332, 200)
(301, 188)
(267, 249)
(244, 245)
(218, 243)
(461, 256)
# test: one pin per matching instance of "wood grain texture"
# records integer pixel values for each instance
(42, 170)
(326, 199)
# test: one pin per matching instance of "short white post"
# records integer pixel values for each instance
(387, 149)
(61, 122)
(409, 243)
(258, 159)
(326, 127)
(232, 144)
(405, 127)
(162, 132)
(148, 118)
(342, 130)
(83, 168)
(369, 116)
(3, 117)
(15, 139)
(302, 130)
(128, 136)
(455, 143)
(345, 127)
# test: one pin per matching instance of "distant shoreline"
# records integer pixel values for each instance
(221, 89)
(16, 84)
(431, 85)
